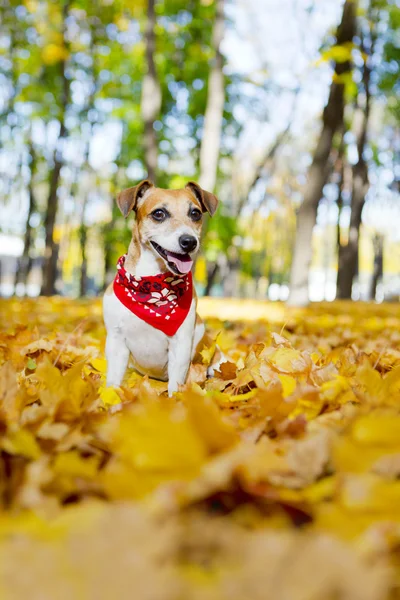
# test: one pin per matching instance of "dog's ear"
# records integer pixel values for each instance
(208, 201)
(129, 198)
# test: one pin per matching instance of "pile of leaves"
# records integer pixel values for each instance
(278, 477)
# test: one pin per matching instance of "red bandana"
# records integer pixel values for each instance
(163, 300)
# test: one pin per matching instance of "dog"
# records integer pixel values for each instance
(150, 308)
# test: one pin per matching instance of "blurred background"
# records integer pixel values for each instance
(288, 110)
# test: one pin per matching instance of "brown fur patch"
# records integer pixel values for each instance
(177, 202)
(133, 250)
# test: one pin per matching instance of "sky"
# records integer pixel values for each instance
(278, 41)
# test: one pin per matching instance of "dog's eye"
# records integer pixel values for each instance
(195, 214)
(160, 214)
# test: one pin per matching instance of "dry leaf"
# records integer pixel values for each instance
(279, 473)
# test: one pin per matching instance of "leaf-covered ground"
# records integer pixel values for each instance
(278, 478)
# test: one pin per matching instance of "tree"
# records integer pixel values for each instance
(25, 262)
(378, 242)
(51, 251)
(389, 81)
(151, 95)
(348, 254)
(52, 84)
(211, 139)
(332, 121)
(96, 32)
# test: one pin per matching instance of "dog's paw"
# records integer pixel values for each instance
(172, 388)
(215, 366)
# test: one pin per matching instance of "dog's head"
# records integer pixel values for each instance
(169, 221)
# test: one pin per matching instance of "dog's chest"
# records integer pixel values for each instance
(147, 345)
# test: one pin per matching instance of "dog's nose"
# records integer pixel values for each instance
(187, 242)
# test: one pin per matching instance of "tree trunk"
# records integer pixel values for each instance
(342, 168)
(25, 262)
(151, 95)
(340, 185)
(212, 127)
(83, 274)
(109, 264)
(211, 138)
(8, 23)
(83, 230)
(211, 276)
(332, 120)
(348, 255)
(51, 248)
(378, 264)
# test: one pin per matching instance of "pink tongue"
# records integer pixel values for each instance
(183, 264)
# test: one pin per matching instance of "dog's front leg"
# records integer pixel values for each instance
(180, 351)
(117, 355)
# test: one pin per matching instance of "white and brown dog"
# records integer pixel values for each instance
(150, 308)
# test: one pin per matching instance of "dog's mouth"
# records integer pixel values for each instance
(180, 264)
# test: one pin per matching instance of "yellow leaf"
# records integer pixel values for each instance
(337, 389)
(205, 417)
(109, 396)
(11, 403)
(288, 384)
(31, 5)
(348, 457)
(52, 431)
(65, 394)
(100, 364)
(371, 383)
(288, 360)
(157, 438)
(320, 490)
(339, 53)
(42, 344)
(379, 428)
(72, 464)
(370, 493)
(53, 54)
(208, 353)
(122, 23)
(22, 443)
(201, 270)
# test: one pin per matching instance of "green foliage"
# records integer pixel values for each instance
(103, 57)
(338, 53)
(221, 230)
(99, 47)
(389, 71)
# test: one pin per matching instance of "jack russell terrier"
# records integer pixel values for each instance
(150, 307)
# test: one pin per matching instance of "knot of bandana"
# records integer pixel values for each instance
(162, 300)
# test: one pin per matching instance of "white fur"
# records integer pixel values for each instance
(148, 264)
(180, 351)
(169, 240)
(153, 353)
